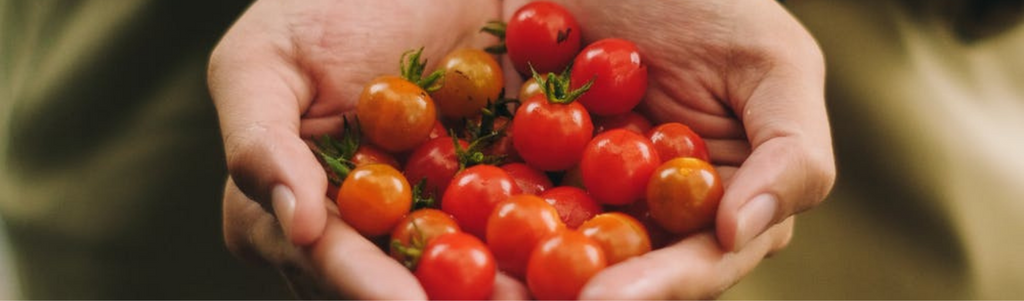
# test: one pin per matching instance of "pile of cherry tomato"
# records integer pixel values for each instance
(549, 188)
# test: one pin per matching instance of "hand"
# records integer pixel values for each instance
(287, 71)
(749, 79)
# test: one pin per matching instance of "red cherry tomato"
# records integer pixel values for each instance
(436, 162)
(456, 266)
(562, 264)
(631, 120)
(620, 236)
(543, 34)
(674, 140)
(617, 165)
(438, 131)
(620, 77)
(471, 78)
(503, 146)
(368, 154)
(529, 179)
(373, 198)
(574, 205)
(516, 226)
(683, 195)
(549, 136)
(395, 114)
(473, 194)
(417, 229)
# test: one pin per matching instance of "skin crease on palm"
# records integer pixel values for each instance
(743, 74)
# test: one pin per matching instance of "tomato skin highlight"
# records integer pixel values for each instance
(474, 192)
(471, 78)
(435, 161)
(423, 225)
(529, 88)
(616, 166)
(516, 226)
(529, 179)
(374, 198)
(543, 34)
(395, 114)
(574, 205)
(561, 265)
(551, 137)
(621, 236)
(619, 74)
(674, 140)
(457, 266)
(683, 195)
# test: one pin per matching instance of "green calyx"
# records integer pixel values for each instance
(412, 70)
(336, 155)
(497, 29)
(473, 154)
(421, 198)
(558, 87)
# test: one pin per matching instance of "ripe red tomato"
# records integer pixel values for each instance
(631, 120)
(683, 195)
(368, 154)
(543, 34)
(418, 229)
(456, 266)
(436, 162)
(471, 78)
(473, 194)
(395, 114)
(373, 198)
(503, 146)
(616, 166)
(674, 140)
(574, 205)
(550, 136)
(529, 179)
(620, 76)
(620, 236)
(561, 264)
(516, 226)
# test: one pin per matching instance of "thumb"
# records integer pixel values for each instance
(791, 167)
(260, 97)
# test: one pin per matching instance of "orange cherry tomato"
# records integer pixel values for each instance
(516, 226)
(561, 265)
(471, 78)
(395, 114)
(683, 195)
(417, 229)
(374, 198)
(529, 88)
(621, 236)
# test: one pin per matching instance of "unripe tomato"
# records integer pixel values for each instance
(683, 195)
(471, 78)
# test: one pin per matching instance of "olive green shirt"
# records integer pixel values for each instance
(111, 164)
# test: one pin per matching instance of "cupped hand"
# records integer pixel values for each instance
(286, 72)
(747, 77)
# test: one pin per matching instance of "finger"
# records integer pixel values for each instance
(358, 268)
(508, 288)
(260, 97)
(694, 268)
(731, 152)
(791, 166)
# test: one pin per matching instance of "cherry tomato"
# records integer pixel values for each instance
(471, 78)
(395, 114)
(631, 120)
(368, 154)
(659, 237)
(516, 226)
(543, 34)
(417, 229)
(436, 162)
(620, 77)
(473, 194)
(503, 146)
(561, 264)
(529, 88)
(574, 205)
(551, 136)
(683, 195)
(617, 165)
(456, 266)
(437, 131)
(621, 236)
(674, 140)
(373, 198)
(529, 179)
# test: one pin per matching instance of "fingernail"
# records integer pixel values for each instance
(283, 201)
(753, 219)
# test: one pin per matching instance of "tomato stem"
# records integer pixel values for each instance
(336, 155)
(412, 70)
(497, 29)
(421, 198)
(558, 87)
